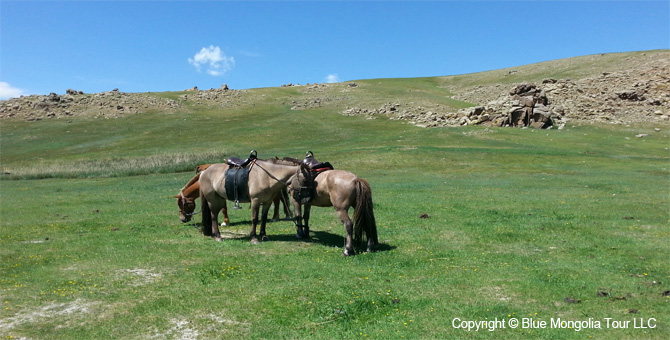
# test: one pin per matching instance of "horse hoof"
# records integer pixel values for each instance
(255, 241)
(347, 252)
(302, 236)
(218, 239)
(265, 238)
(224, 224)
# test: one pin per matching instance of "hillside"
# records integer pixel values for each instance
(474, 223)
(618, 88)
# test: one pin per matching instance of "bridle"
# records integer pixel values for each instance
(183, 204)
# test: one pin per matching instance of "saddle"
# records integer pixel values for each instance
(237, 178)
(315, 166)
(239, 163)
(303, 184)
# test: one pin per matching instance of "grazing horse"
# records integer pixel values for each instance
(267, 179)
(191, 191)
(341, 190)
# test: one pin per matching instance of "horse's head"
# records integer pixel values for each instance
(302, 185)
(186, 207)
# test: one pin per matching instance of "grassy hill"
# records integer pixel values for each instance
(476, 223)
(582, 85)
(137, 133)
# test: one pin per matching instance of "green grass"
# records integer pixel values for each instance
(518, 221)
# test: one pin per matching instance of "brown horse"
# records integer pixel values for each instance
(341, 190)
(191, 191)
(267, 179)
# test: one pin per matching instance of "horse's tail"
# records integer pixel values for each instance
(206, 216)
(364, 217)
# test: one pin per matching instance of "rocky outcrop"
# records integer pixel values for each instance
(637, 94)
(221, 97)
(110, 104)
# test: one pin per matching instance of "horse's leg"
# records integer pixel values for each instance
(284, 201)
(264, 219)
(275, 215)
(214, 215)
(254, 220)
(224, 210)
(305, 230)
(297, 212)
(349, 228)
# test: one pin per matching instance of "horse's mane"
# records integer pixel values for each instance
(192, 181)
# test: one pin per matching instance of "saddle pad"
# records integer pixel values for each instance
(237, 184)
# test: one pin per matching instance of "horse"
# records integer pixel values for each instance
(342, 190)
(267, 179)
(191, 191)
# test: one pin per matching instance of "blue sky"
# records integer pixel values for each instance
(95, 46)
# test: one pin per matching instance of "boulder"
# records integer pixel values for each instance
(53, 97)
(632, 95)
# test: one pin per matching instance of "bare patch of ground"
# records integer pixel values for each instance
(76, 309)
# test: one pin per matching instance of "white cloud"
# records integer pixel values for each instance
(213, 60)
(8, 91)
(332, 78)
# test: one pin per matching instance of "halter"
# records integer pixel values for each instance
(183, 201)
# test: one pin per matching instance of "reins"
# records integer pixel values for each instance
(285, 185)
(271, 175)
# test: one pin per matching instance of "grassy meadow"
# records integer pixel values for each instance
(518, 224)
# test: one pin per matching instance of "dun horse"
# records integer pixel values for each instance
(266, 182)
(191, 191)
(341, 190)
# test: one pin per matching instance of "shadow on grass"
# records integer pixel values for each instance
(320, 237)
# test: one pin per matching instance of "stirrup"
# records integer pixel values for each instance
(237, 205)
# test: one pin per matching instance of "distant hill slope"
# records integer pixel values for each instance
(618, 88)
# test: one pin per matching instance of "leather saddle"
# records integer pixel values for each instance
(239, 163)
(237, 178)
(314, 165)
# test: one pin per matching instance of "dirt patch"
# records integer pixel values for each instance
(78, 309)
(184, 329)
(139, 276)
